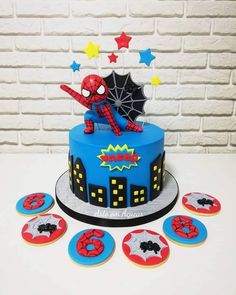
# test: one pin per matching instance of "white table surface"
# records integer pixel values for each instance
(207, 269)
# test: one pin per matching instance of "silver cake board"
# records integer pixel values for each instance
(121, 217)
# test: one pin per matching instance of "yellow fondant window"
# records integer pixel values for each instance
(155, 168)
(155, 186)
(81, 188)
(135, 193)
(77, 180)
(113, 181)
(77, 166)
(115, 191)
(74, 172)
(142, 199)
(100, 200)
(80, 175)
(142, 192)
(100, 191)
(93, 195)
(120, 199)
(136, 200)
(120, 186)
(115, 204)
(155, 178)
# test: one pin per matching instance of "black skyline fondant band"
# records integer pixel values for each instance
(117, 192)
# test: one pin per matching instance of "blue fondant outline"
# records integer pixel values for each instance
(202, 231)
(48, 202)
(109, 246)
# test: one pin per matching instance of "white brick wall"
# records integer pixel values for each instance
(195, 45)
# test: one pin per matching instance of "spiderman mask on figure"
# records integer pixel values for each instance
(94, 92)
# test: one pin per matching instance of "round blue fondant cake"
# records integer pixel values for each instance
(116, 171)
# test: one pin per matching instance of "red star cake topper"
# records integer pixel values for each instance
(123, 40)
(113, 58)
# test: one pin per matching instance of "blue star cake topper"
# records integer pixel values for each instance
(146, 56)
(75, 66)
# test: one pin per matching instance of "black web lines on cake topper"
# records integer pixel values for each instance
(125, 95)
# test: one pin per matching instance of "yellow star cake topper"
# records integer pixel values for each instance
(92, 50)
(155, 81)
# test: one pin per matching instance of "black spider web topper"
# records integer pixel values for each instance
(125, 96)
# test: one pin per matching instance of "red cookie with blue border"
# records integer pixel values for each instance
(34, 204)
(145, 248)
(44, 229)
(91, 247)
(185, 230)
(201, 204)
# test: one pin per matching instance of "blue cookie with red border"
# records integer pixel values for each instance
(34, 204)
(185, 230)
(91, 247)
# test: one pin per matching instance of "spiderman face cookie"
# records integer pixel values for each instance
(201, 204)
(145, 248)
(44, 229)
(34, 204)
(185, 230)
(91, 247)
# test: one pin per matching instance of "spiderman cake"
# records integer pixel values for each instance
(122, 164)
(116, 164)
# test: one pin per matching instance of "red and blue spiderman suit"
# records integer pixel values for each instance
(94, 92)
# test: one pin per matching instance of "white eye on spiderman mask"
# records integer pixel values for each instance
(85, 93)
(101, 90)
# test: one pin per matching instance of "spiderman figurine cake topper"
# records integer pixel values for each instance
(94, 94)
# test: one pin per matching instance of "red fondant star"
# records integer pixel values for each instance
(123, 41)
(113, 57)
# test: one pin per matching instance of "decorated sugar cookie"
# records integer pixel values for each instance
(145, 248)
(91, 247)
(185, 230)
(44, 229)
(200, 203)
(34, 204)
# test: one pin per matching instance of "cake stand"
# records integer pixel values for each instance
(121, 217)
